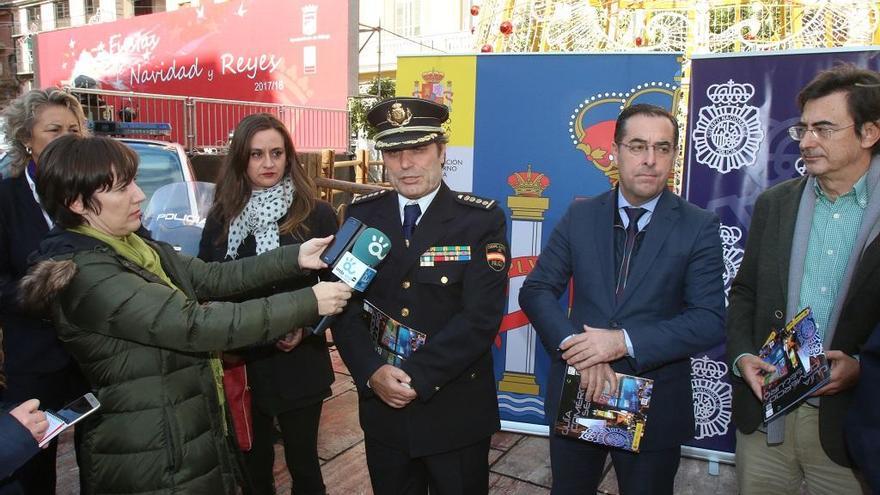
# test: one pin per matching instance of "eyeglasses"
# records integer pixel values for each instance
(797, 132)
(639, 149)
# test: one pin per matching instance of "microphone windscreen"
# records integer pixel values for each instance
(371, 246)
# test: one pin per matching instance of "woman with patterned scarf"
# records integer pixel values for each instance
(265, 200)
(144, 323)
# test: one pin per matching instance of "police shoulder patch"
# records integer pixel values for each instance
(369, 197)
(475, 201)
(496, 255)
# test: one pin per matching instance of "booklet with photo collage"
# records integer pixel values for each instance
(617, 419)
(801, 367)
(393, 341)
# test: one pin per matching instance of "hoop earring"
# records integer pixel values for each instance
(28, 150)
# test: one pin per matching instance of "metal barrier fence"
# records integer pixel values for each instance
(205, 123)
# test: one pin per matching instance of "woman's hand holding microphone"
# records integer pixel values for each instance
(332, 297)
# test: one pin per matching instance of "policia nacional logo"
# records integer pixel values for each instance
(398, 115)
(496, 256)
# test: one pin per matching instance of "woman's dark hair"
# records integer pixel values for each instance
(234, 188)
(75, 167)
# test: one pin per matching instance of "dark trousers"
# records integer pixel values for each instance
(461, 471)
(299, 432)
(577, 468)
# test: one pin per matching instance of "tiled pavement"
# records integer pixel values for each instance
(520, 464)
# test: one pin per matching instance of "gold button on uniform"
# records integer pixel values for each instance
(444, 279)
(404, 312)
(405, 284)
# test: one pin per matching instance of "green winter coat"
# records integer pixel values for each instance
(144, 348)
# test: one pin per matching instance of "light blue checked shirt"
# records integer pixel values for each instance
(832, 236)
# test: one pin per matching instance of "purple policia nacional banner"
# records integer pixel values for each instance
(737, 146)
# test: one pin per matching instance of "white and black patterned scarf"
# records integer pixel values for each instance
(260, 217)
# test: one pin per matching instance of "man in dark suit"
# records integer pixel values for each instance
(427, 418)
(863, 420)
(647, 281)
(811, 243)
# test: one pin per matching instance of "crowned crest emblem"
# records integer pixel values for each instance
(728, 132)
(398, 115)
(712, 397)
(592, 122)
(733, 254)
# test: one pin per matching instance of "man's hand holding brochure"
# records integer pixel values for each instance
(798, 362)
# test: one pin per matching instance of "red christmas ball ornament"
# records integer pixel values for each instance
(639, 41)
(487, 48)
(506, 28)
(475, 10)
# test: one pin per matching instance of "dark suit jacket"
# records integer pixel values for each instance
(672, 308)
(758, 299)
(31, 344)
(458, 304)
(863, 421)
(281, 381)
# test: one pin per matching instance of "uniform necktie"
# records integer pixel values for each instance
(411, 213)
(632, 231)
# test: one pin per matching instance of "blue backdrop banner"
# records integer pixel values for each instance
(542, 137)
(737, 146)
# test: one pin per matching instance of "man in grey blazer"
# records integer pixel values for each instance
(812, 242)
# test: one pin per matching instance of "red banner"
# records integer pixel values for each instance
(294, 52)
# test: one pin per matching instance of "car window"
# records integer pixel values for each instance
(158, 166)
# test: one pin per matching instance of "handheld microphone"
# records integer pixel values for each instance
(355, 267)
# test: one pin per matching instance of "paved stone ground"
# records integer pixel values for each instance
(520, 464)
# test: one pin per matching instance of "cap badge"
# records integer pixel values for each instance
(398, 115)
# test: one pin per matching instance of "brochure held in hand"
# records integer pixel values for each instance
(801, 367)
(617, 419)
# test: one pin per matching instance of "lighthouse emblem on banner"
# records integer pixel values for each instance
(518, 390)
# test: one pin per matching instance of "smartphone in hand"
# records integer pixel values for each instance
(67, 416)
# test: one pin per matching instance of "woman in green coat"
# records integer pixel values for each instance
(139, 319)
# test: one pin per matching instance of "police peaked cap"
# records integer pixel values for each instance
(407, 122)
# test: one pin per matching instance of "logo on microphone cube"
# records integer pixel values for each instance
(354, 272)
(378, 247)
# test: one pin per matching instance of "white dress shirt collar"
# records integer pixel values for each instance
(646, 217)
(424, 202)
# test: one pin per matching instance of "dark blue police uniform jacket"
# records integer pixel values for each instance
(458, 304)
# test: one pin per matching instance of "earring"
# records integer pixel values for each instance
(28, 150)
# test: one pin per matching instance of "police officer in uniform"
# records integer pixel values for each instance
(427, 419)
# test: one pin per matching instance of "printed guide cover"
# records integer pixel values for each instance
(801, 366)
(616, 420)
(393, 341)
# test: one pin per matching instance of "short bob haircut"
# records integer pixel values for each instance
(21, 115)
(73, 167)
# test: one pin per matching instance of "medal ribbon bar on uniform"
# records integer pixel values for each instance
(440, 254)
